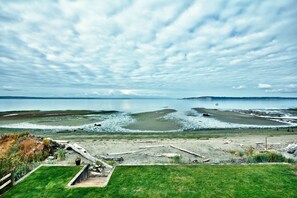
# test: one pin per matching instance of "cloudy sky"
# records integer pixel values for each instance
(168, 48)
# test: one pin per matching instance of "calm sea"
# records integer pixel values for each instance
(142, 105)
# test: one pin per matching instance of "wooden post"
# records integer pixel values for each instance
(12, 178)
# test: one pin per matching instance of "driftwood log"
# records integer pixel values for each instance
(117, 159)
(80, 150)
(187, 151)
(127, 152)
(153, 146)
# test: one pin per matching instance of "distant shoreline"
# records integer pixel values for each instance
(78, 98)
(238, 98)
(156, 98)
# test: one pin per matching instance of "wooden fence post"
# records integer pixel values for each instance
(12, 178)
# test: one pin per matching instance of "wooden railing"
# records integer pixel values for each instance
(6, 182)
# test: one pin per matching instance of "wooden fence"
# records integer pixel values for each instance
(6, 182)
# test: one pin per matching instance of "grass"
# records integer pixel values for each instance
(168, 181)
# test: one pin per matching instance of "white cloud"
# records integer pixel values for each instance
(274, 90)
(264, 86)
(285, 89)
(9, 88)
(292, 86)
(239, 87)
(176, 48)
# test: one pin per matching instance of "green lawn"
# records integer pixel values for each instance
(167, 181)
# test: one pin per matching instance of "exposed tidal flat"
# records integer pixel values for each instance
(238, 117)
(154, 121)
(164, 120)
(146, 115)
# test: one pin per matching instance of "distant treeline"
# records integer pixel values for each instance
(128, 98)
(76, 98)
(238, 98)
(32, 97)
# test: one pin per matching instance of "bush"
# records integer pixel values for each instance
(12, 150)
(6, 165)
(177, 159)
(23, 168)
(23, 154)
(250, 159)
(40, 156)
(268, 157)
(241, 153)
(61, 154)
(249, 151)
(46, 142)
(17, 165)
(232, 152)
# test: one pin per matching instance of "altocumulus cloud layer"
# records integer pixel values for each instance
(148, 48)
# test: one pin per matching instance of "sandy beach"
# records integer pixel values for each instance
(160, 151)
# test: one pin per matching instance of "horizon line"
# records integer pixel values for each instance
(146, 97)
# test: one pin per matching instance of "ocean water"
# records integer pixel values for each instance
(142, 105)
(188, 118)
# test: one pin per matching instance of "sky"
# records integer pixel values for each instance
(148, 48)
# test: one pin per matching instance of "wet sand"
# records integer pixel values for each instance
(153, 121)
(52, 118)
(238, 118)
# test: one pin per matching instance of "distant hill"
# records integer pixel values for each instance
(76, 98)
(33, 97)
(238, 98)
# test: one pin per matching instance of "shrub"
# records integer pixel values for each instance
(17, 165)
(45, 154)
(177, 159)
(61, 154)
(12, 150)
(6, 165)
(98, 163)
(250, 159)
(46, 142)
(268, 157)
(21, 155)
(23, 168)
(233, 152)
(241, 153)
(249, 151)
